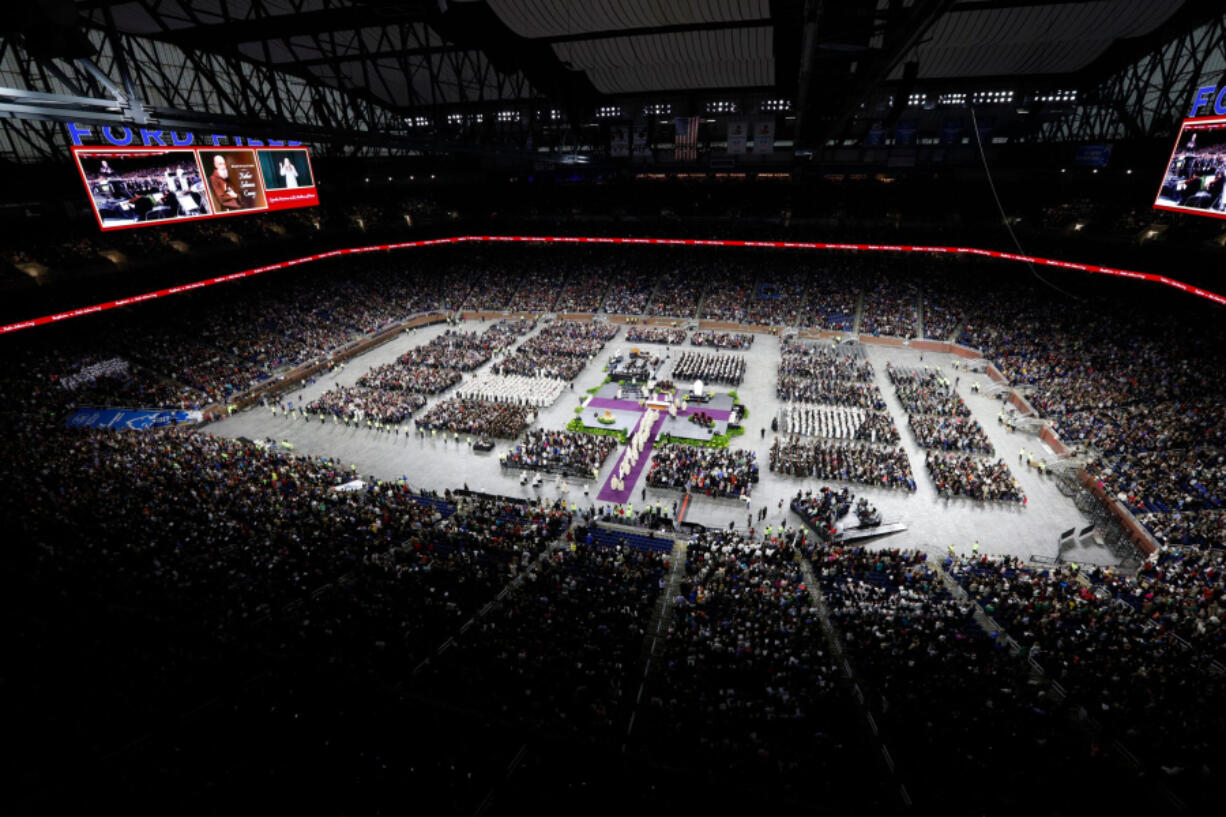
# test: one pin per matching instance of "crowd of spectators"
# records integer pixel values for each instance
(584, 291)
(915, 650)
(559, 653)
(727, 297)
(823, 362)
(864, 463)
(890, 307)
(722, 340)
(1201, 528)
(1108, 639)
(950, 434)
(629, 292)
(410, 377)
(357, 404)
(746, 692)
(728, 472)
(197, 563)
(798, 389)
(572, 454)
(714, 368)
(925, 391)
(642, 333)
(561, 350)
(461, 350)
(973, 477)
(826, 375)
(676, 293)
(479, 418)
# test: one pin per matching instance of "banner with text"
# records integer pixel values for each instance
(764, 136)
(619, 141)
(738, 136)
(641, 147)
(132, 419)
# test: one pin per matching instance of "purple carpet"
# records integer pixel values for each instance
(607, 494)
(632, 405)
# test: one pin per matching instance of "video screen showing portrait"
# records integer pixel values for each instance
(234, 180)
(1196, 174)
(139, 187)
(286, 169)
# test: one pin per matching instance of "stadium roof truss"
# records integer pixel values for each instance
(486, 75)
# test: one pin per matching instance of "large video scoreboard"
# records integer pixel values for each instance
(1195, 178)
(146, 186)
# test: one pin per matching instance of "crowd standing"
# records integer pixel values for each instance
(728, 472)
(475, 418)
(715, 368)
(841, 462)
(561, 350)
(973, 477)
(569, 453)
(722, 340)
(643, 333)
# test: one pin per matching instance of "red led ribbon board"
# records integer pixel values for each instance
(670, 242)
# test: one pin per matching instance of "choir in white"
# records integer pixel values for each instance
(838, 423)
(513, 388)
(823, 421)
(634, 449)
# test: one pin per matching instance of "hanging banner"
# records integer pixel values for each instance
(764, 136)
(640, 141)
(619, 141)
(904, 132)
(685, 139)
(875, 136)
(951, 132)
(738, 133)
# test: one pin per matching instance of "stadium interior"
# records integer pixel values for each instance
(475, 407)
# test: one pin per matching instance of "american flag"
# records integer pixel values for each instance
(685, 142)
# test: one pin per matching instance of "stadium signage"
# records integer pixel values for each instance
(1206, 94)
(123, 136)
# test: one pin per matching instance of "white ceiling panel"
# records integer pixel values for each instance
(1033, 39)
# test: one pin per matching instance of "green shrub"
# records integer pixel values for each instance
(578, 426)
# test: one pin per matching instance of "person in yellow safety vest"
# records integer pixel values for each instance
(768, 532)
(952, 552)
(975, 548)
